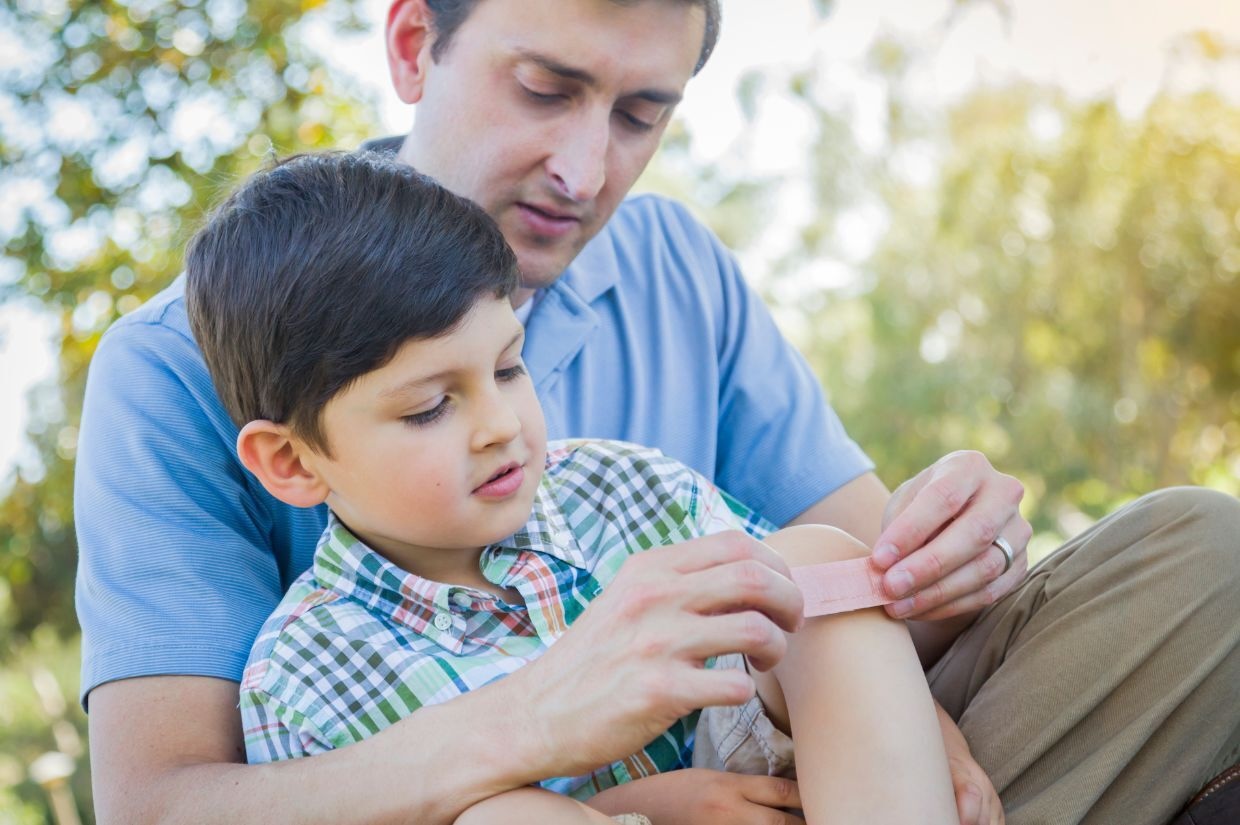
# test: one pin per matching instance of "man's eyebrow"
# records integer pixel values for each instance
(665, 97)
(414, 384)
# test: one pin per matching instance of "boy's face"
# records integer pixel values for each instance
(441, 449)
(544, 112)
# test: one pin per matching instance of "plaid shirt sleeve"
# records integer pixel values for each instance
(269, 737)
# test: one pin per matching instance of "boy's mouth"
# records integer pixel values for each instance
(504, 482)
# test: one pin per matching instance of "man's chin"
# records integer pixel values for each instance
(540, 271)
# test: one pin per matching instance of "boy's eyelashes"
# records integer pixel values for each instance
(510, 373)
(430, 416)
(427, 417)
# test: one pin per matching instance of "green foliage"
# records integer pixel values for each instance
(126, 122)
(123, 124)
(1063, 293)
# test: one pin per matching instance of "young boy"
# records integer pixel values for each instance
(355, 319)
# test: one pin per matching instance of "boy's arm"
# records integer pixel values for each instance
(697, 796)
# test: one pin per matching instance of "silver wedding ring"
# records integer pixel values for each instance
(1006, 550)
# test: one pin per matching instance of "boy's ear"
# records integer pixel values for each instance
(409, 38)
(276, 458)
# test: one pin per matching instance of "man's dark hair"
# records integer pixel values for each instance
(314, 272)
(448, 15)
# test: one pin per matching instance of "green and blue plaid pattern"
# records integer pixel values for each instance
(357, 643)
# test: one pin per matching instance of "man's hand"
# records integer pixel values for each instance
(632, 663)
(696, 796)
(977, 801)
(940, 527)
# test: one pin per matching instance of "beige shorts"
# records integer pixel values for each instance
(741, 738)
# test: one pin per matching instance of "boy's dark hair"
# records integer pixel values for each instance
(448, 15)
(314, 272)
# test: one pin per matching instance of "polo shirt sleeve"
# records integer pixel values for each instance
(175, 574)
(781, 447)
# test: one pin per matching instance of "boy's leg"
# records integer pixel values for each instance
(1107, 687)
(867, 739)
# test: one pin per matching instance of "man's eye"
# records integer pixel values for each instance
(634, 122)
(542, 97)
(423, 419)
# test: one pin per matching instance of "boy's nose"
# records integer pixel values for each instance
(497, 424)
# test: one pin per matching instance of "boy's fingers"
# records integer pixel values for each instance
(772, 791)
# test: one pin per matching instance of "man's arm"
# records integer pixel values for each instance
(168, 749)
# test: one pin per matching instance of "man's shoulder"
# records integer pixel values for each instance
(164, 309)
(159, 329)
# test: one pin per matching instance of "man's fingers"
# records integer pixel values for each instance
(750, 633)
(962, 540)
(703, 687)
(746, 585)
(718, 549)
(983, 579)
(972, 602)
(952, 484)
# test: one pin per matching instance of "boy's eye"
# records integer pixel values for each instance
(430, 416)
(510, 373)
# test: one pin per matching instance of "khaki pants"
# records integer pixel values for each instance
(1106, 688)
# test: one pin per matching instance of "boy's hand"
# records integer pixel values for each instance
(633, 662)
(977, 801)
(936, 544)
(696, 796)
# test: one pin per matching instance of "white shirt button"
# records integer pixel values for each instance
(462, 599)
(443, 621)
(562, 539)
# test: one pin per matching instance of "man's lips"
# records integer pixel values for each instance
(546, 220)
(506, 481)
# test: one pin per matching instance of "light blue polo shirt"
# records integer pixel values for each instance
(651, 336)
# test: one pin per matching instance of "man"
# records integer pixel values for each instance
(1098, 688)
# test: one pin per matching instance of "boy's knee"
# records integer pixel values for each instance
(815, 544)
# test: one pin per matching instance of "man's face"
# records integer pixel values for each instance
(546, 111)
(439, 450)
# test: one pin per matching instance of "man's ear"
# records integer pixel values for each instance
(277, 459)
(409, 38)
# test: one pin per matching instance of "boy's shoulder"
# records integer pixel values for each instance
(574, 461)
(641, 491)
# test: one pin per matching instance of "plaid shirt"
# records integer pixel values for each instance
(357, 643)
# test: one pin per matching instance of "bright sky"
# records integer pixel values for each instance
(1092, 48)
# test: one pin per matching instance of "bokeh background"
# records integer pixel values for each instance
(996, 224)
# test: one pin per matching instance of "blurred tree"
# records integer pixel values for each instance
(1058, 286)
(119, 125)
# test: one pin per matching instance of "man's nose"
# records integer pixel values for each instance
(578, 162)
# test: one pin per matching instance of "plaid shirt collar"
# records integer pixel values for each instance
(345, 565)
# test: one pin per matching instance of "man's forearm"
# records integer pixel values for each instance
(152, 765)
